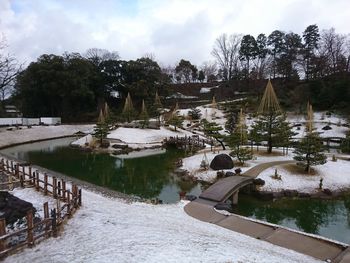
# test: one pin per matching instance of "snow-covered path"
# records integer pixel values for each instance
(110, 230)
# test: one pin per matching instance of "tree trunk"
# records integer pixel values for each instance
(222, 144)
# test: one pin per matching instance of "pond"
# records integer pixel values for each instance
(328, 218)
(147, 176)
(151, 177)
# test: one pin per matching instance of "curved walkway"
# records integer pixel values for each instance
(314, 246)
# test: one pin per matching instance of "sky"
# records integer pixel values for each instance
(169, 29)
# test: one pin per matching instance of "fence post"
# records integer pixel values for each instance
(46, 216)
(30, 175)
(59, 189)
(2, 233)
(54, 222)
(17, 170)
(24, 172)
(30, 236)
(64, 190)
(54, 187)
(21, 176)
(37, 186)
(79, 199)
(12, 166)
(75, 196)
(68, 203)
(45, 184)
(58, 204)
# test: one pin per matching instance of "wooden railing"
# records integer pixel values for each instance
(187, 142)
(67, 202)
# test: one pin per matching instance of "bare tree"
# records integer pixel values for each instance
(210, 70)
(333, 49)
(169, 71)
(226, 53)
(98, 55)
(9, 69)
(150, 56)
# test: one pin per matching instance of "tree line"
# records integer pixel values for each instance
(75, 86)
(81, 83)
(312, 55)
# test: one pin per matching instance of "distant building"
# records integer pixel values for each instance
(12, 111)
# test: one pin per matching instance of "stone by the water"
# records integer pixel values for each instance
(221, 162)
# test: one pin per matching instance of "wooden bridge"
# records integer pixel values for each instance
(224, 188)
(186, 142)
(315, 246)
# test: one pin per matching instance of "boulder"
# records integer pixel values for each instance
(221, 162)
(258, 181)
(228, 174)
(105, 143)
(12, 208)
(120, 146)
(290, 193)
(304, 195)
(190, 197)
(327, 127)
(327, 191)
(224, 206)
(220, 174)
(238, 171)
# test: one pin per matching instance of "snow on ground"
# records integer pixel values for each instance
(83, 141)
(144, 136)
(320, 121)
(37, 199)
(335, 176)
(111, 230)
(192, 163)
(40, 133)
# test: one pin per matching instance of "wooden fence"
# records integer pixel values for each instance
(67, 202)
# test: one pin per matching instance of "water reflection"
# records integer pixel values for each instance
(330, 218)
(148, 176)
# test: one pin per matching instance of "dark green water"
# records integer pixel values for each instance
(151, 177)
(147, 177)
(328, 218)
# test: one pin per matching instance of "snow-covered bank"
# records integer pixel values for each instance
(142, 137)
(192, 164)
(110, 230)
(40, 133)
(335, 175)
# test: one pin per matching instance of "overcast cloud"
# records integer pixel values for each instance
(170, 29)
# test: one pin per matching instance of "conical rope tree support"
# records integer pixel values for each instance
(269, 102)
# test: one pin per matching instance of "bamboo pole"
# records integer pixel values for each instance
(54, 187)
(37, 181)
(30, 236)
(45, 183)
(46, 216)
(2, 233)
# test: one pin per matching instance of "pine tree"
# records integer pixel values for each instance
(238, 139)
(309, 151)
(271, 125)
(157, 107)
(144, 118)
(175, 120)
(101, 129)
(345, 144)
(128, 110)
(212, 129)
(195, 113)
(272, 128)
